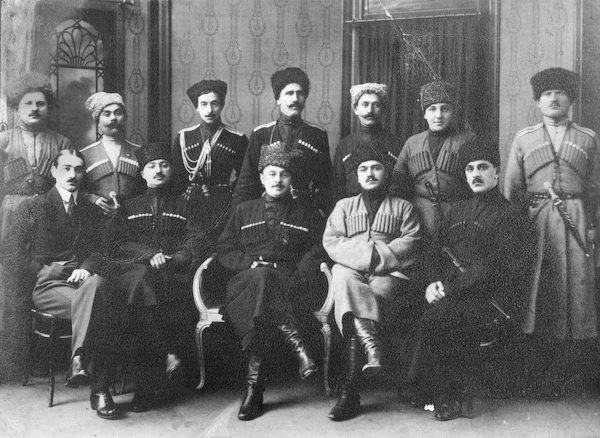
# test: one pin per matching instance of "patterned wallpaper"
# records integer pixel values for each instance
(534, 35)
(20, 54)
(243, 43)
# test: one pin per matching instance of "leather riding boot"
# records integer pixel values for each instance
(252, 405)
(369, 339)
(348, 405)
(306, 366)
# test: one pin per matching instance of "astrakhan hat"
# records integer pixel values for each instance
(479, 148)
(207, 86)
(438, 92)
(98, 101)
(27, 83)
(291, 75)
(357, 91)
(555, 78)
(151, 152)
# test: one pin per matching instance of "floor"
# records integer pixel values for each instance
(293, 409)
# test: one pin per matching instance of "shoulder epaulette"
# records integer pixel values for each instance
(233, 131)
(90, 146)
(266, 125)
(529, 129)
(314, 125)
(189, 129)
(584, 130)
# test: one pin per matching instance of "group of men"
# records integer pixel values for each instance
(116, 237)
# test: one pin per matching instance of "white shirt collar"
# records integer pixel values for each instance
(66, 195)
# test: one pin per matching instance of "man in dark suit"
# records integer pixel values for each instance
(313, 179)
(55, 239)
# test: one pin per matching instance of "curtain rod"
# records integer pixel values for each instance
(372, 20)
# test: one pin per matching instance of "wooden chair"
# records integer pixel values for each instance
(209, 308)
(47, 326)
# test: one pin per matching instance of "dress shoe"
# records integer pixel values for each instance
(173, 365)
(103, 404)
(77, 375)
(143, 402)
(453, 409)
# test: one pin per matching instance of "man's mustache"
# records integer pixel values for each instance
(477, 180)
(34, 113)
(371, 178)
(157, 175)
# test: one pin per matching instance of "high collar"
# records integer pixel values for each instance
(39, 127)
(109, 139)
(374, 195)
(208, 130)
(65, 195)
(373, 129)
(489, 195)
(562, 122)
(157, 191)
(441, 134)
(284, 199)
(290, 121)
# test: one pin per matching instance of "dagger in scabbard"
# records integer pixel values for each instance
(566, 217)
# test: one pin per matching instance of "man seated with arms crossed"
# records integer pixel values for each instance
(149, 243)
(55, 238)
(472, 283)
(372, 239)
(264, 244)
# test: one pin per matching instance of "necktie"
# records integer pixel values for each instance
(71, 206)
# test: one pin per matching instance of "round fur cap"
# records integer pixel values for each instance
(206, 86)
(291, 75)
(477, 149)
(151, 152)
(555, 78)
(276, 154)
(98, 101)
(29, 82)
(438, 92)
(357, 91)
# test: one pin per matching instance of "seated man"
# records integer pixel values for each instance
(55, 238)
(472, 285)
(149, 237)
(372, 238)
(263, 243)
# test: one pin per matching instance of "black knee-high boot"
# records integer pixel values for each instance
(306, 366)
(252, 405)
(348, 405)
(366, 332)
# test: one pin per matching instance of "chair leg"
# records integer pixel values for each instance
(326, 330)
(200, 327)
(30, 357)
(51, 342)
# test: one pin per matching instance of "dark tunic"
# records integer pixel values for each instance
(489, 238)
(211, 188)
(146, 225)
(313, 176)
(344, 165)
(280, 232)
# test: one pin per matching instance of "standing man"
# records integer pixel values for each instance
(474, 283)
(153, 263)
(313, 178)
(264, 244)
(207, 160)
(27, 151)
(558, 162)
(55, 245)
(369, 103)
(113, 171)
(372, 239)
(427, 172)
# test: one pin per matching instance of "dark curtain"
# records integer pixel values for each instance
(455, 50)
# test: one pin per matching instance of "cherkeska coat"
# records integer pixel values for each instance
(563, 295)
(350, 241)
(266, 293)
